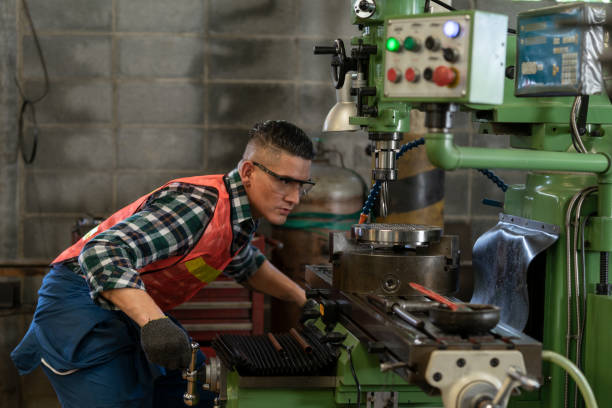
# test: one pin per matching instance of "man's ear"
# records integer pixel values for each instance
(246, 171)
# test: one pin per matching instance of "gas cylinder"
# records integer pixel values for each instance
(332, 205)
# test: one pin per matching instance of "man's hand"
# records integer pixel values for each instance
(165, 344)
(310, 310)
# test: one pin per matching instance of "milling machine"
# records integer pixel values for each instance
(538, 316)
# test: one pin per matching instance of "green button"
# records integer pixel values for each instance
(410, 43)
(393, 44)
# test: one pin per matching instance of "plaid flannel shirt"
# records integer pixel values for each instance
(170, 223)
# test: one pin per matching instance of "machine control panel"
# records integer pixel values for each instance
(432, 57)
(558, 50)
(430, 45)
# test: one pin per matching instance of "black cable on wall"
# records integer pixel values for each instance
(28, 102)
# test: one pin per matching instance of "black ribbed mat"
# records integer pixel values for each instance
(256, 355)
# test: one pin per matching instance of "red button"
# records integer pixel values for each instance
(394, 75)
(411, 75)
(444, 76)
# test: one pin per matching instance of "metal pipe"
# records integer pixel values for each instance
(578, 287)
(442, 152)
(303, 344)
(275, 343)
(568, 268)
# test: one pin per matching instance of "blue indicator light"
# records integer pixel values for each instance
(451, 29)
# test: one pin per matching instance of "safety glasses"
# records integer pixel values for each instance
(286, 184)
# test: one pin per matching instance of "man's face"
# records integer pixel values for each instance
(270, 197)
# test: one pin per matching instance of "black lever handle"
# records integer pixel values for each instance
(323, 49)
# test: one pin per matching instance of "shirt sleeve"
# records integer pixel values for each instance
(245, 263)
(169, 224)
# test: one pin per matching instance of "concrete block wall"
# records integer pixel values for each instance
(8, 142)
(143, 91)
(147, 90)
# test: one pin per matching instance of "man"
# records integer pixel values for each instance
(100, 321)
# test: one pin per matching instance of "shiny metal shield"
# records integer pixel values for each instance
(501, 257)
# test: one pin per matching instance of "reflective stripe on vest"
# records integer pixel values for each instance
(175, 280)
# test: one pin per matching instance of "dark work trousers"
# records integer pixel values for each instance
(92, 356)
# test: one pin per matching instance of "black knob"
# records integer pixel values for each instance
(510, 72)
(428, 74)
(365, 5)
(432, 43)
(450, 55)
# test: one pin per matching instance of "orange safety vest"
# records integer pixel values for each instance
(175, 280)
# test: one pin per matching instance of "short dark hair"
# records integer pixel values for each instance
(284, 136)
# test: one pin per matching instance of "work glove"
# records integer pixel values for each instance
(166, 344)
(310, 310)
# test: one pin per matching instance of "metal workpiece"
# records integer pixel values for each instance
(396, 234)
(409, 318)
(275, 343)
(389, 304)
(414, 305)
(392, 306)
(303, 343)
(467, 377)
